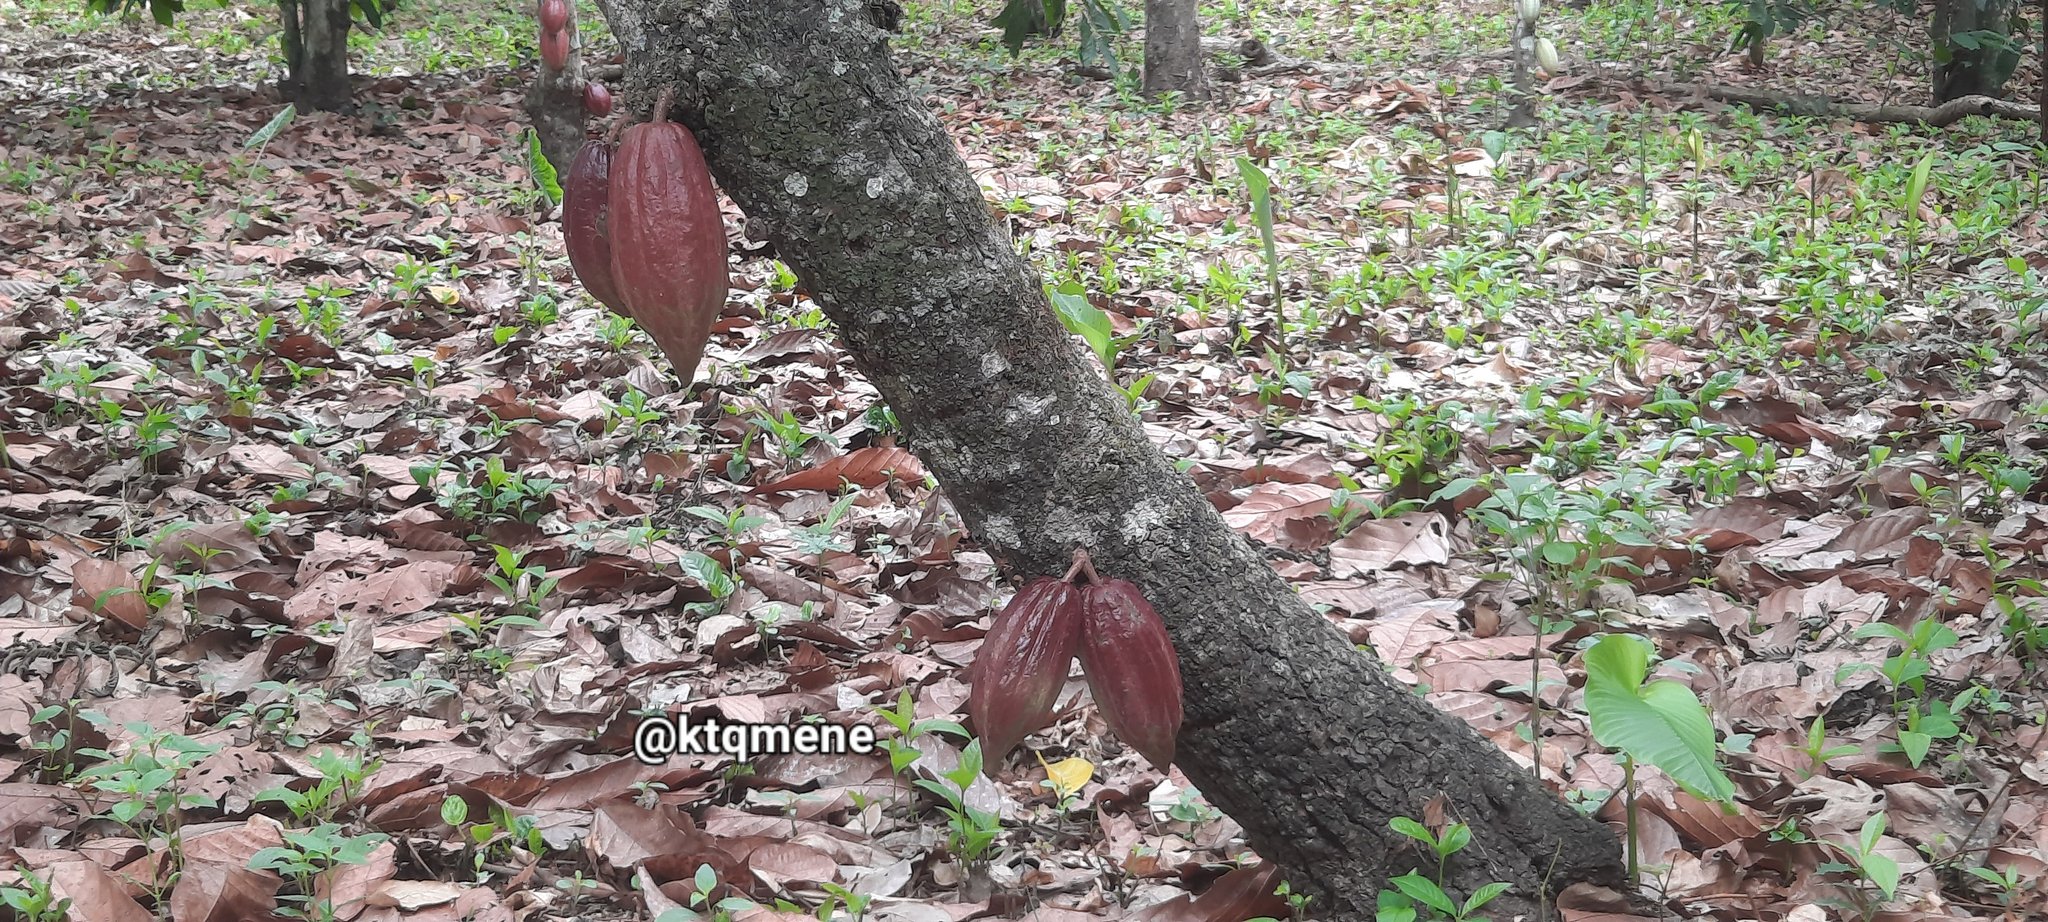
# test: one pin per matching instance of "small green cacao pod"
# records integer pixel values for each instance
(1528, 10)
(1546, 56)
(1023, 664)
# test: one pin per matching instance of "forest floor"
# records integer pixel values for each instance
(345, 537)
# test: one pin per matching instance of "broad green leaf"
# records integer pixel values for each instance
(1261, 188)
(1916, 187)
(1456, 837)
(1022, 19)
(1394, 907)
(1086, 320)
(1425, 891)
(1883, 872)
(543, 171)
(1661, 724)
(1483, 896)
(1872, 831)
(1409, 827)
(271, 128)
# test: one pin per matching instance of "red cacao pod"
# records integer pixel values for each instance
(554, 49)
(668, 240)
(1023, 664)
(586, 197)
(554, 15)
(1132, 670)
(596, 99)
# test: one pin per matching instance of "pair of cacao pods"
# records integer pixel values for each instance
(554, 33)
(1133, 672)
(554, 53)
(645, 236)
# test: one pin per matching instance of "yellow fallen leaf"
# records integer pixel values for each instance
(1068, 776)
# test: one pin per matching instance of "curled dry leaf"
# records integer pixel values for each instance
(865, 467)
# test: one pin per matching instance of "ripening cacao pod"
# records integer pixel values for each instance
(586, 196)
(1132, 670)
(668, 240)
(1022, 665)
(554, 15)
(1546, 56)
(554, 49)
(1528, 10)
(596, 99)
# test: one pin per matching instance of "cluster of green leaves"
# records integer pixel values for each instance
(1416, 896)
(32, 899)
(1101, 22)
(970, 832)
(487, 491)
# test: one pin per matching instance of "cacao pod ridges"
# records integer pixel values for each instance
(1133, 671)
(597, 100)
(668, 238)
(554, 49)
(586, 198)
(554, 15)
(1022, 665)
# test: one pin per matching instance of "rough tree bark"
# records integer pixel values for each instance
(1306, 742)
(555, 102)
(1979, 71)
(1173, 49)
(315, 44)
(1523, 49)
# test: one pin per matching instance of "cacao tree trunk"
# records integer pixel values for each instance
(1978, 71)
(315, 43)
(1301, 738)
(1173, 49)
(555, 103)
(1523, 115)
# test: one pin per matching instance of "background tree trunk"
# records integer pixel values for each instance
(1523, 114)
(1980, 71)
(1173, 49)
(555, 103)
(1307, 743)
(315, 43)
